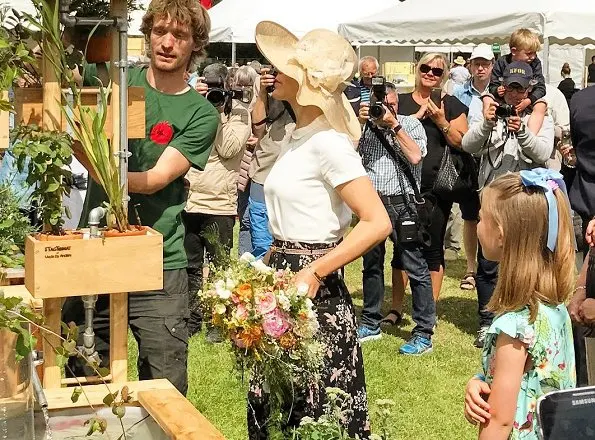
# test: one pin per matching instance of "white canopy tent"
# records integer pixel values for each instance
(560, 22)
(234, 21)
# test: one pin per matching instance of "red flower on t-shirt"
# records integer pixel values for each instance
(162, 133)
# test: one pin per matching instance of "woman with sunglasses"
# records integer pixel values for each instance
(445, 125)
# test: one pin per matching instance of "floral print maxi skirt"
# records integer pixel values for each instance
(343, 364)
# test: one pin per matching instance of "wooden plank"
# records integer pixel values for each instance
(94, 394)
(119, 337)
(52, 373)
(29, 109)
(12, 276)
(87, 267)
(21, 291)
(177, 417)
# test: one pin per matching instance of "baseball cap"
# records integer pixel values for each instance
(482, 50)
(518, 72)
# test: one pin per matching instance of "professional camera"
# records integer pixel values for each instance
(505, 111)
(218, 96)
(271, 71)
(377, 97)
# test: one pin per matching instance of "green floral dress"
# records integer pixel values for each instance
(549, 343)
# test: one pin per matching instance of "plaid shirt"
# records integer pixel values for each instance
(386, 175)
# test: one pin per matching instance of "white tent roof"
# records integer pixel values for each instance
(235, 20)
(472, 21)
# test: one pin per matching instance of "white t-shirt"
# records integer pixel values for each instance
(300, 195)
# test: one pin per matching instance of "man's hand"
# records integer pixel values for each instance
(364, 113)
(266, 80)
(500, 91)
(477, 409)
(574, 306)
(201, 87)
(489, 109)
(514, 124)
(587, 311)
(521, 106)
(251, 142)
(388, 120)
(590, 234)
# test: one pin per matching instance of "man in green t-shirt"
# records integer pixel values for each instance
(180, 129)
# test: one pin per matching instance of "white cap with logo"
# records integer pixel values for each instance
(482, 50)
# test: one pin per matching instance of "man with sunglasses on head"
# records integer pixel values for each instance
(503, 142)
(392, 148)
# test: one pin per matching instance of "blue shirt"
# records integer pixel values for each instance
(386, 175)
(471, 97)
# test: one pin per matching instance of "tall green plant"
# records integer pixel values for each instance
(87, 124)
(14, 228)
(46, 156)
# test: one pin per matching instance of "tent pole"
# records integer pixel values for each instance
(233, 54)
(546, 59)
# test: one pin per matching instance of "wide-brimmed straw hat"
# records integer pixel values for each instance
(459, 60)
(322, 62)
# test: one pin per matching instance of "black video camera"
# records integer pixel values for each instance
(377, 97)
(271, 71)
(218, 96)
(505, 111)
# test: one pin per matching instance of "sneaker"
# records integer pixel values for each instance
(416, 346)
(368, 334)
(481, 336)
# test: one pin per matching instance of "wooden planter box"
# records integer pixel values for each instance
(29, 109)
(57, 269)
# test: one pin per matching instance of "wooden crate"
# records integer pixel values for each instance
(12, 276)
(56, 269)
(29, 109)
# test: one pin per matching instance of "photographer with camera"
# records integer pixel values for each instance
(212, 195)
(503, 142)
(392, 148)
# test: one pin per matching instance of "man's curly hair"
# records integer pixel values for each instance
(189, 12)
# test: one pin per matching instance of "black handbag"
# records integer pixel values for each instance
(457, 176)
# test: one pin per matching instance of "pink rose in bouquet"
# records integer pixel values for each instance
(265, 302)
(275, 323)
(241, 312)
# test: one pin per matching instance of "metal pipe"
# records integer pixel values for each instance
(72, 20)
(95, 217)
(89, 302)
(124, 154)
(38, 388)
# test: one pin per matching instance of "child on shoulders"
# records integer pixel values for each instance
(525, 225)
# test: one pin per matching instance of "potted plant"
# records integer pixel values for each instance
(46, 157)
(95, 43)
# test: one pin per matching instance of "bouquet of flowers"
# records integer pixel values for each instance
(269, 322)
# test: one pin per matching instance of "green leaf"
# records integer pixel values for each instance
(76, 393)
(52, 187)
(110, 398)
(103, 371)
(119, 411)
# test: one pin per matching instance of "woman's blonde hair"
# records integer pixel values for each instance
(428, 58)
(524, 39)
(529, 272)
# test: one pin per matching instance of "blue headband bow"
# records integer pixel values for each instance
(547, 180)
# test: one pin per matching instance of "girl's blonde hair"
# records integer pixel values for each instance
(428, 58)
(529, 272)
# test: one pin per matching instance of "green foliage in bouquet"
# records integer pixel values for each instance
(46, 157)
(87, 124)
(14, 228)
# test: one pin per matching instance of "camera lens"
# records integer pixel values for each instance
(376, 111)
(216, 97)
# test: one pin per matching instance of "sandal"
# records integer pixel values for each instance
(468, 281)
(388, 320)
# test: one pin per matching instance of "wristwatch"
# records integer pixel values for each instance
(445, 129)
(397, 129)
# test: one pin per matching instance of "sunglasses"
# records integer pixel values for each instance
(436, 71)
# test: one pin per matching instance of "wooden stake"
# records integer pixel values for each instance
(118, 301)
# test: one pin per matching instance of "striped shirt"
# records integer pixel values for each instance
(386, 175)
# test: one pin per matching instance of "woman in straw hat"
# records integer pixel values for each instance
(311, 192)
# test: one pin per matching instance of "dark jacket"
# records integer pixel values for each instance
(538, 90)
(353, 93)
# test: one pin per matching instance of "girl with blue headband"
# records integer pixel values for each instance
(525, 225)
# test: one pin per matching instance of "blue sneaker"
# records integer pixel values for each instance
(416, 346)
(367, 334)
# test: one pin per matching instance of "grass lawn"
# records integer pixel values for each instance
(428, 390)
